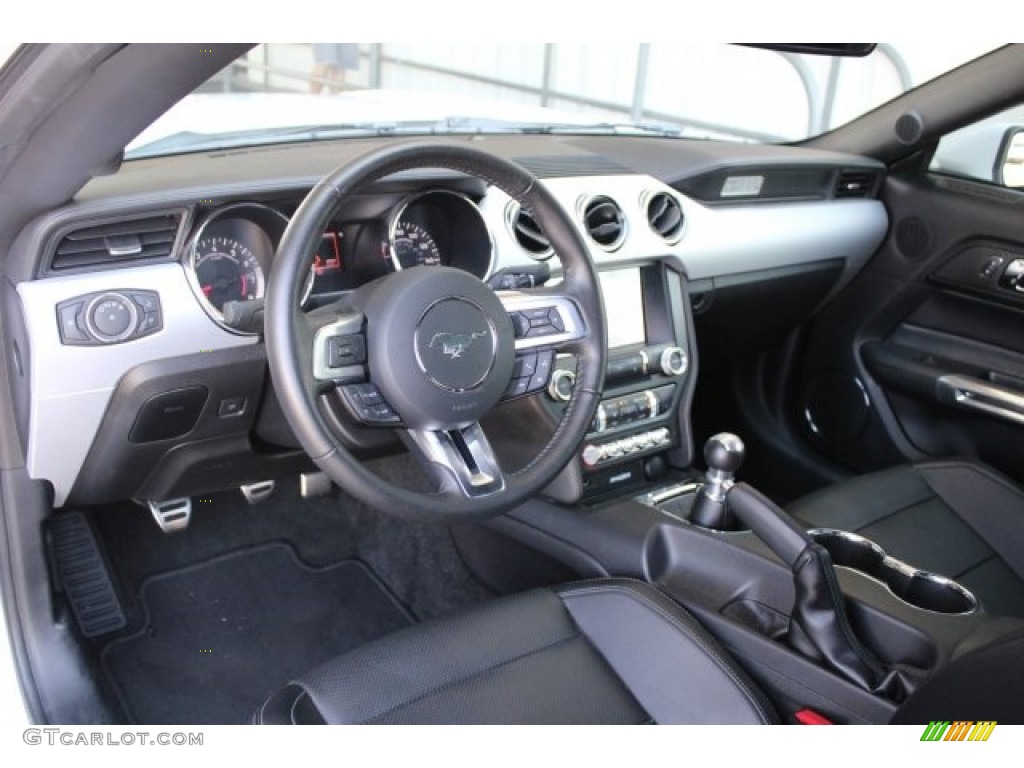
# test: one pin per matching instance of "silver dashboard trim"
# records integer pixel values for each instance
(71, 386)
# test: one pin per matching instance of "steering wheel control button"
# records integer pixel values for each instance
(520, 324)
(343, 351)
(169, 415)
(545, 361)
(367, 402)
(526, 365)
(230, 407)
(517, 388)
(455, 344)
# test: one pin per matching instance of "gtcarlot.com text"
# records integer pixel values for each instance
(76, 738)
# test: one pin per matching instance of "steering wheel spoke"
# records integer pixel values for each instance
(543, 321)
(462, 458)
(338, 346)
(543, 318)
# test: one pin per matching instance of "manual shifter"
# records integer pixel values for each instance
(724, 455)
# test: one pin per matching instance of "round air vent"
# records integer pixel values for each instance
(604, 222)
(527, 233)
(665, 216)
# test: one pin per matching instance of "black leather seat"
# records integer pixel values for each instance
(960, 519)
(606, 651)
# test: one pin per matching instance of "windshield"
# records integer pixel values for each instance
(305, 91)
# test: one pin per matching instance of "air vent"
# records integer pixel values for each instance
(856, 183)
(604, 222)
(665, 216)
(145, 239)
(528, 234)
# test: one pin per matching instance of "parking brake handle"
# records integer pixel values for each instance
(819, 627)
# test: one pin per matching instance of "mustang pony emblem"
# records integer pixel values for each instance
(454, 344)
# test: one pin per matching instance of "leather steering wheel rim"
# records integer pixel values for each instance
(289, 338)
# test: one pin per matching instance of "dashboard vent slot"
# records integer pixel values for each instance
(665, 216)
(604, 222)
(146, 239)
(856, 183)
(528, 234)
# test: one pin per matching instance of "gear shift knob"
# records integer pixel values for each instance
(724, 452)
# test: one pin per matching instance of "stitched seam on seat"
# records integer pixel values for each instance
(295, 703)
(940, 466)
(930, 497)
(689, 631)
(959, 574)
(466, 678)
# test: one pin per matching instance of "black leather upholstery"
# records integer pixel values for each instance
(984, 684)
(956, 518)
(607, 651)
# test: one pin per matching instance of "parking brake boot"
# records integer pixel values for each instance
(819, 627)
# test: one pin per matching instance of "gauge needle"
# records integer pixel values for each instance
(245, 285)
(207, 289)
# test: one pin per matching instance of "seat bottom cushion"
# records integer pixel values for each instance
(602, 652)
(955, 518)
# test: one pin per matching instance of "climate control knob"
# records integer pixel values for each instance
(673, 361)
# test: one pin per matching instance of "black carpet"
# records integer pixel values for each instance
(223, 635)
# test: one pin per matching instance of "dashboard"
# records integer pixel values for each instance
(137, 380)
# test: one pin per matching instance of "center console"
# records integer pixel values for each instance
(642, 425)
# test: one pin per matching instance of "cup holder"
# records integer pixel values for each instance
(921, 589)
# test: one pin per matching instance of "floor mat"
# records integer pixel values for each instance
(221, 636)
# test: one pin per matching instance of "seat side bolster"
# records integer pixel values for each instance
(645, 638)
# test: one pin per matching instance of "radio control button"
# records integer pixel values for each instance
(560, 388)
(673, 361)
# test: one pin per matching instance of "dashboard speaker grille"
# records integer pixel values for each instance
(665, 216)
(144, 239)
(909, 128)
(913, 238)
(604, 222)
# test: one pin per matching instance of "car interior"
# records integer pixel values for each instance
(545, 427)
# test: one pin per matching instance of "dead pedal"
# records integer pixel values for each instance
(83, 572)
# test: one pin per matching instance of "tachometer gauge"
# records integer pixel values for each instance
(227, 271)
(412, 246)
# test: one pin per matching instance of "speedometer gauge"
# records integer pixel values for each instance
(227, 271)
(412, 246)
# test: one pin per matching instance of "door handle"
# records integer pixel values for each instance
(979, 395)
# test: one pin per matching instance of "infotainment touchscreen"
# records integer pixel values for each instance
(624, 306)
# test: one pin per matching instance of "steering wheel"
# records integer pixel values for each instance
(430, 350)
